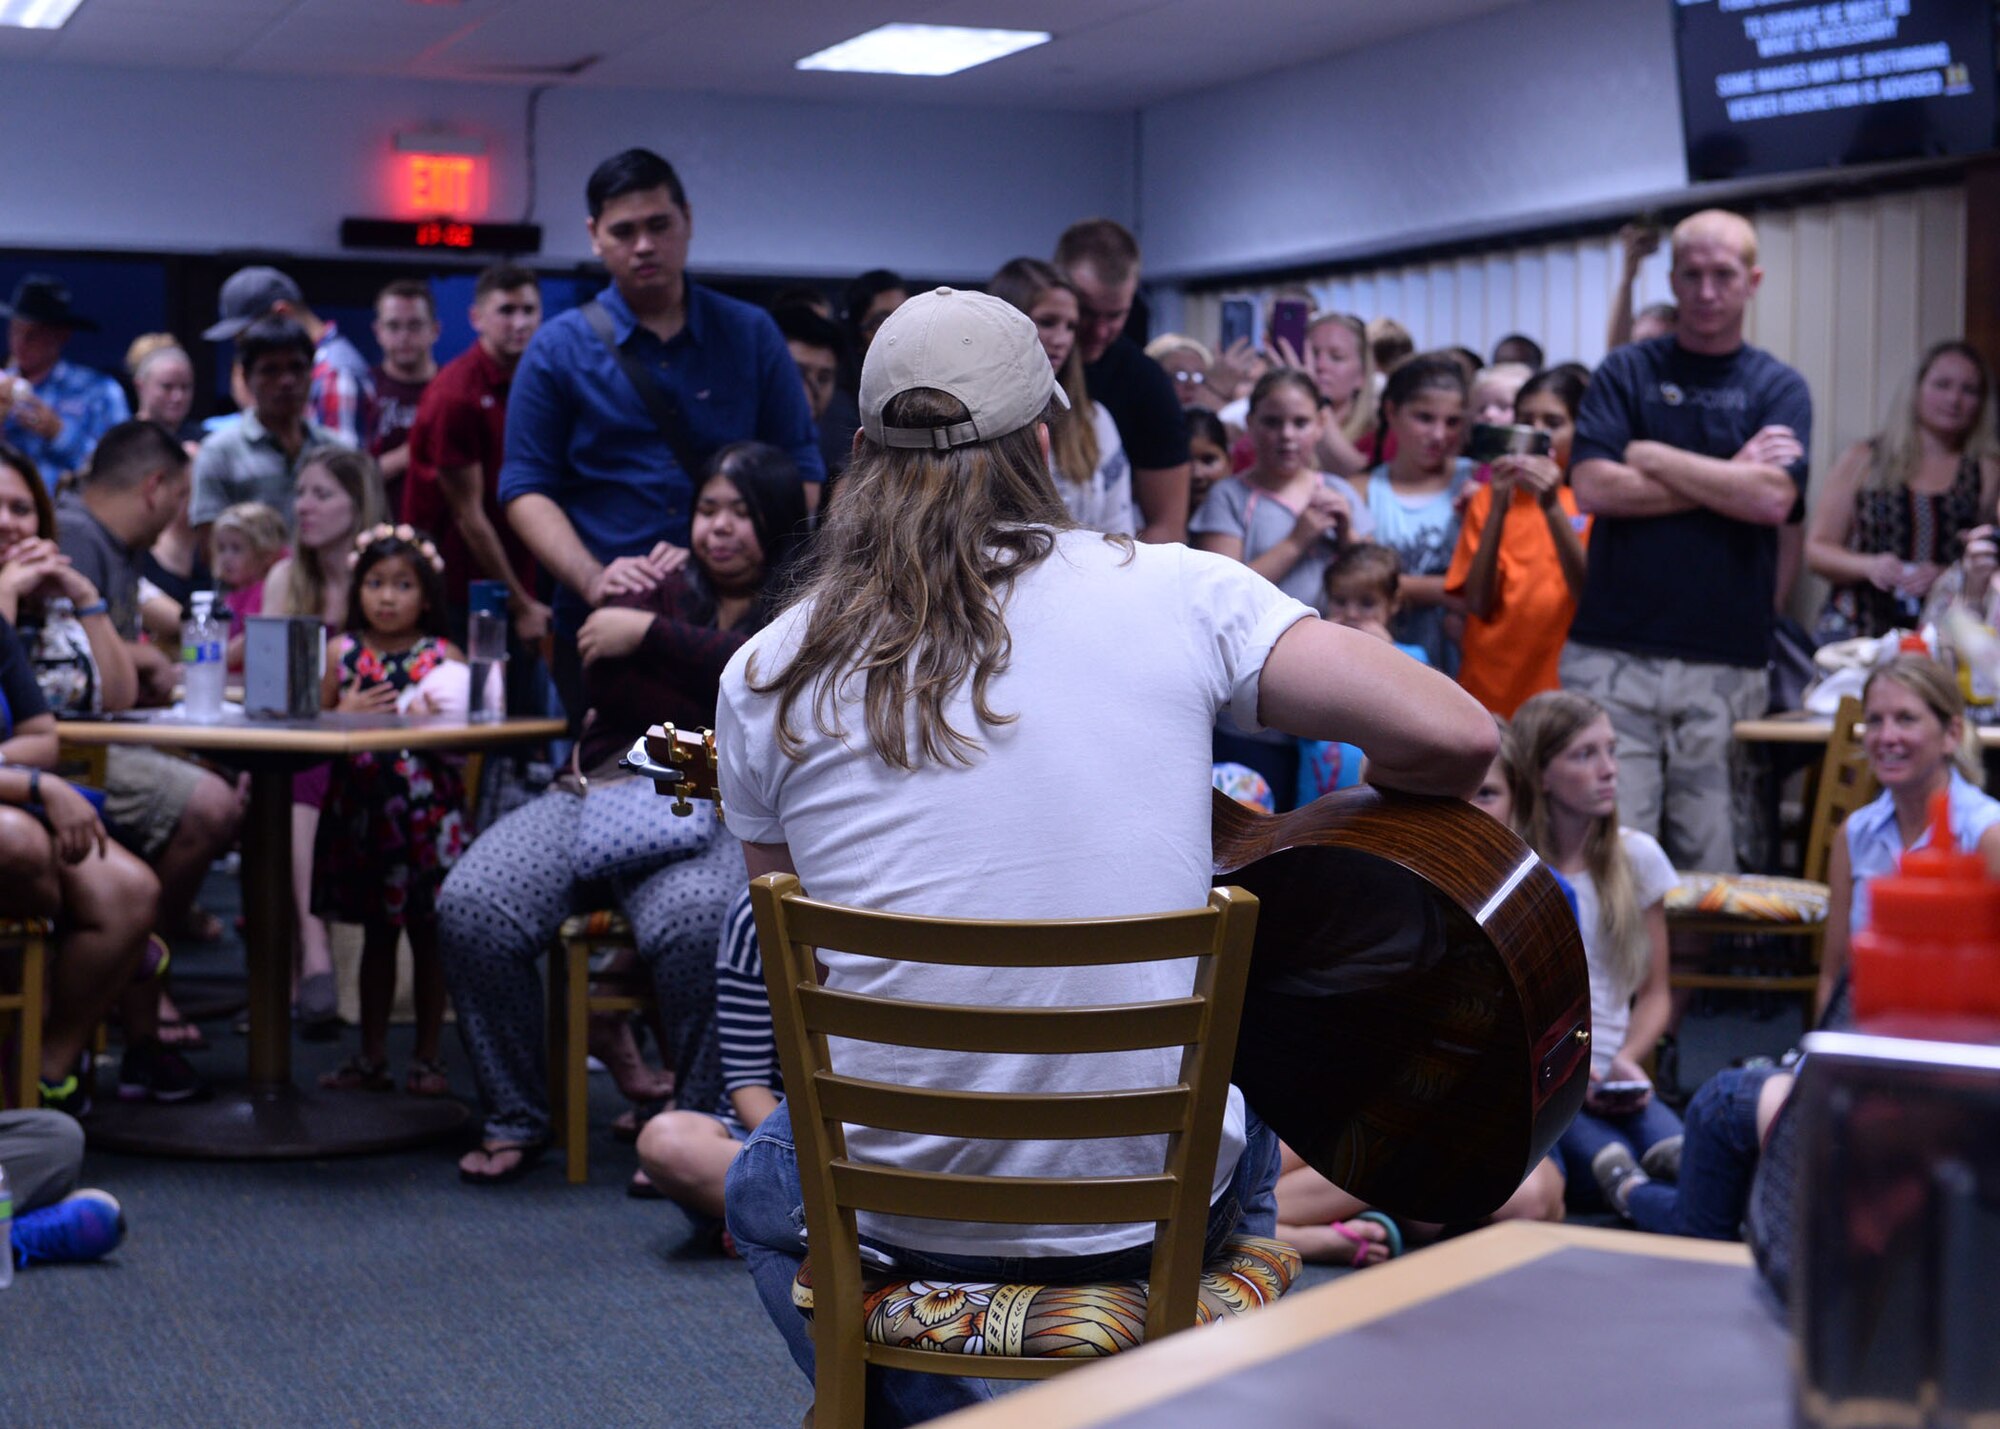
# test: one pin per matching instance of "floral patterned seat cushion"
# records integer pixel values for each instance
(1040, 1321)
(1752, 897)
(606, 924)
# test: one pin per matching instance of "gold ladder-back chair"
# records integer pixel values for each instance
(1007, 1331)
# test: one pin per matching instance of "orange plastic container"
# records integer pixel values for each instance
(1932, 950)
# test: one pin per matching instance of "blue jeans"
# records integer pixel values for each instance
(766, 1212)
(1718, 1160)
(1591, 1133)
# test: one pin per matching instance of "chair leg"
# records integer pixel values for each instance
(576, 1073)
(34, 1006)
(557, 1058)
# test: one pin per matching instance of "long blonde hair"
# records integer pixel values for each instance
(1899, 447)
(1072, 434)
(1933, 684)
(1541, 729)
(908, 582)
(308, 580)
(1360, 418)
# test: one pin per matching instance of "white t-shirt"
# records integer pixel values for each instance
(1610, 998)
(1094, 802)
(1106, 503)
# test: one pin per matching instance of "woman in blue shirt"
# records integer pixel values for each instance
(1915, 736)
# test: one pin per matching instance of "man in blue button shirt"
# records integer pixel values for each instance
(591, 483)
(53, 410)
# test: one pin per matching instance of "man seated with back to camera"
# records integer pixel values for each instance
(1066, 660)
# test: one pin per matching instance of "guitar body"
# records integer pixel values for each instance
(1417, 1025)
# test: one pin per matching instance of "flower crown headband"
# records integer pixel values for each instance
(407, 534)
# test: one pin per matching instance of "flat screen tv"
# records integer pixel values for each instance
(1775, 86)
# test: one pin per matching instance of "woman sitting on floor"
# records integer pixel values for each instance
(648, 657)
(1916, 740)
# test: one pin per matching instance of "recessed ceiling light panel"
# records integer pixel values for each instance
(919, 49)
(37, 14)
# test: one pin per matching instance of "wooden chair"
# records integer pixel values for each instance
(571, 1001)
(861, 1320)
(1756, 906)
(28, 940)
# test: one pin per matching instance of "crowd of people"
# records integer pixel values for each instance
(1550, 587)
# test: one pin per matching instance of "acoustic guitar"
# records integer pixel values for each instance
(1417, 1024)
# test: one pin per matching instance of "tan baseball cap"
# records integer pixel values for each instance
(973, 346)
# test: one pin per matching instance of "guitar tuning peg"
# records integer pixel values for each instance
(681, 807)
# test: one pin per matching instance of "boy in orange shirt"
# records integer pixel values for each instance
(1520, 558)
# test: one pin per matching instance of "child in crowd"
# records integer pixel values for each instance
(392, 825)
(1494, 392)
(1086, 457)
(249, 538)
(1520, 559)
(1413, 498)
(686, 1154)
(1363, 592)
(1285, 519)
(1563, 769)
(1208, 453)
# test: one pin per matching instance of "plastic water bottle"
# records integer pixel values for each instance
(202, 667)
(6, 1232)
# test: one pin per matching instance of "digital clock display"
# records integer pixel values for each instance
(444, 235)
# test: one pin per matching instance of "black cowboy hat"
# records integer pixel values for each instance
(39, 298)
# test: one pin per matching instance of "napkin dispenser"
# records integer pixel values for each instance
(284, 657)
(1896, 1286)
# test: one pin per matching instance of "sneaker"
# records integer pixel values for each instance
(1662, 1160)
(84, 1225)
(1617, 1173)
(153, 1072)
(72, 1094)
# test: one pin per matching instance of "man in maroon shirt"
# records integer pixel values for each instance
(406, 328)
(456, 448)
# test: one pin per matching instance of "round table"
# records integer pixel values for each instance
(268, 1116)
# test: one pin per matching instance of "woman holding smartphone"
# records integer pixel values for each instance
(1562, 760)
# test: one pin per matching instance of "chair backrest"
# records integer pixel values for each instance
(1845, 784)
(1188, 1113)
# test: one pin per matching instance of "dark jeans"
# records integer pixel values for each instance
(766, 1210)
(1591, 1133)
(1718, 1160)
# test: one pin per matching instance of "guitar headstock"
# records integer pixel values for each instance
(680, 762)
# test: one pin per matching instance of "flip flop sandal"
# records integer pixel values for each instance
(1389, 1226)
(427, 1079)
(182, 1035)
(357, 1074)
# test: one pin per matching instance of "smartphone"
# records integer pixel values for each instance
(1239, 322)
(1620, 1091)
(1288, 322)
(1492, 440)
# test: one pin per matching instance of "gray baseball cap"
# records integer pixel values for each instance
(973, 346)
(248, 295)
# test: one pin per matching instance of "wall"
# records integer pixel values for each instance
(1560, 106)
(206, 162)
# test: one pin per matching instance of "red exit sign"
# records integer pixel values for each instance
(446, 185)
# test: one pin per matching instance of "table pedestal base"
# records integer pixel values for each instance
(283, 1123)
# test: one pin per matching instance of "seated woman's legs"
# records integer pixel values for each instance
(1316, 1218)
(500, 908)
(1589, 1136)
(109, 901)
(686, 1154)
(676, 916)
(1725, 1125)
